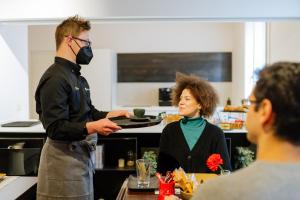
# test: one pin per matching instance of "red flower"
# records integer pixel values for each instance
(214, 161)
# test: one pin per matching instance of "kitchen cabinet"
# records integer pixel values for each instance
(20, 150)
(115, 148)
(109, 178)
(108, 181)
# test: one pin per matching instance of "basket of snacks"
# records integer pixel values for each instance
(188, 183)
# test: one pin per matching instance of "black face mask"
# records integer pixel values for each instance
(84, 55)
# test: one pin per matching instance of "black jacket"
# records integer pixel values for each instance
(63, 102)
(174, 151)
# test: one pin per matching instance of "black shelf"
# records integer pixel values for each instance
(116, 148)
(29, 153)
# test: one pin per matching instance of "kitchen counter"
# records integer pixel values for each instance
(14, 187)
(33, 129)
(116, 145)
(38, 129)
(158, 129)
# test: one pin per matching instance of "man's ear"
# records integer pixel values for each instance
(68, 40)
(266, 113)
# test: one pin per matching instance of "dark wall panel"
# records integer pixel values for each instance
(162, 67)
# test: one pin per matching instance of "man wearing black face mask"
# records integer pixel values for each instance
(85, 54)
(71, 121)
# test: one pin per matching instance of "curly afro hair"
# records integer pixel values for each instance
(201, 89)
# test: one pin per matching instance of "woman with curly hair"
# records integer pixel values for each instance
(188, 143)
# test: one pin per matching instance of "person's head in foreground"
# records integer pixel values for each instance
(273, 123)
(275, 105)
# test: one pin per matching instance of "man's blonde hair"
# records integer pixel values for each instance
(72, 26)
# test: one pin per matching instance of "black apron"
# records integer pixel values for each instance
(66, 169)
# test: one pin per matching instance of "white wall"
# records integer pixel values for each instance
(284, 41)
(14, 72)
(39, 62)
(176, 37)
(238, 65)
(102, 77)
(16, 10)
(157, 37)
(166, 37)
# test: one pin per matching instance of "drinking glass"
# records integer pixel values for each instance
(143, 173)
(225, 172)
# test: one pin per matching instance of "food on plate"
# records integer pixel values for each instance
(228, 108)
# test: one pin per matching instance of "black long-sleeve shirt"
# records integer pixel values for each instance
(174, 151)
(63, 102)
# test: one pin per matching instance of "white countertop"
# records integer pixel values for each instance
(33, 129)
(158, 129)
(14, 186)
(152, 129)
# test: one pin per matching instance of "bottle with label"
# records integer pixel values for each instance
(130, 159)
(228, 102)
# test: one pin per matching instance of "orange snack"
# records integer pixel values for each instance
(183, 181)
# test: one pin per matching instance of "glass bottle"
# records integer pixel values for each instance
(228, 102)
(130, 158)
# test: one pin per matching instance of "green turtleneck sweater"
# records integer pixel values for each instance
(192, 129)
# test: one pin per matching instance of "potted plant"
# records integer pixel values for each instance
(151, 157)
(244, 157)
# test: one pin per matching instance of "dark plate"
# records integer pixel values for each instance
(139, 119)
(132, 184)
(125, 122)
